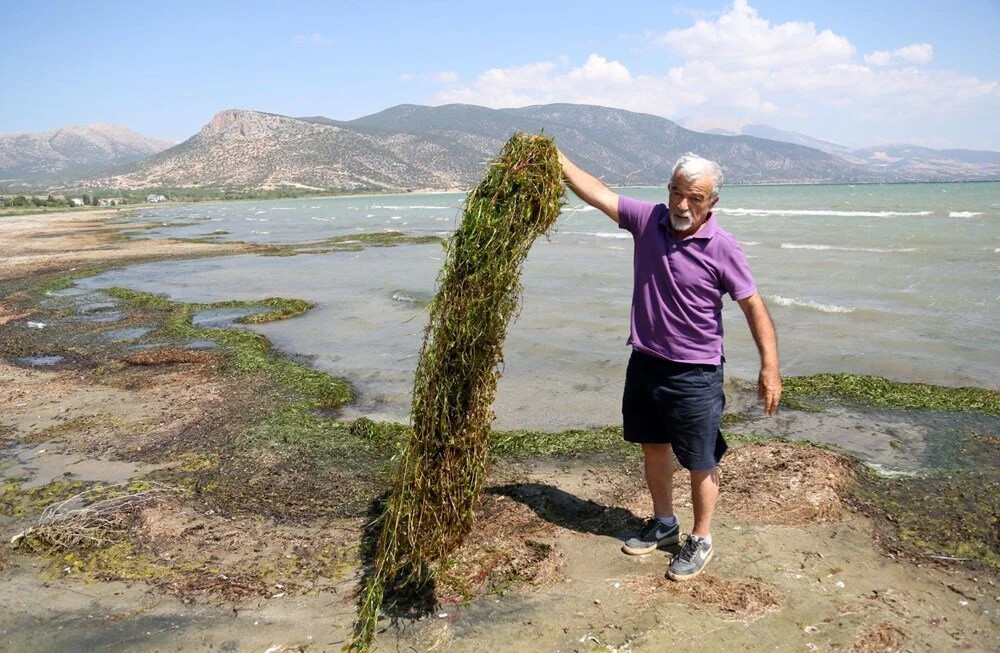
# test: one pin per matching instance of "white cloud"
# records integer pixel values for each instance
(740, 65)
(740, 38)
(914, 53)
(314, 38)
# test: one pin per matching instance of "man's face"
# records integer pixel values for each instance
(690, 202)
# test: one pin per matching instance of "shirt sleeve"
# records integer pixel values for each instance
(633, 213)
(735, 271)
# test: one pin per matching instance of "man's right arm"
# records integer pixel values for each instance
(590, 189)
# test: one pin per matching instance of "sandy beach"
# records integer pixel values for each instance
(243, 499)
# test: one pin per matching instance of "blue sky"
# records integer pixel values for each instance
(856, 73)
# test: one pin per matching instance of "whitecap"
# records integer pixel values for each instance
(261, 233)
(879, 250)
(808, 303)
(598, 234)
(963, 214)
(580, 209)
(822, 212)
(400, 207)
(749, 243)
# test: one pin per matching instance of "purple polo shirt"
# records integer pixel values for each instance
(677, 298)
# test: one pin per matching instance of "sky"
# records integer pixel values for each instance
(854, 73)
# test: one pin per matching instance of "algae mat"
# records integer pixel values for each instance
(443, 467)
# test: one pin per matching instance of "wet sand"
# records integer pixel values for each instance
(796, 566)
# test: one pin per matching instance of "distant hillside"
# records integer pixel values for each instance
(71, 151)
(893, 162)
(410, 147)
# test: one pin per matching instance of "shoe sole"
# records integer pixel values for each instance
(672, 576)
(649, 549)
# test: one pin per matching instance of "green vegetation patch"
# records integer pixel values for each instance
(246, 352)
(950, 513)
(876, 391)
(18, 501)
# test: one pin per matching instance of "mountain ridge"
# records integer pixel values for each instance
(416, 146)
(72, 150)
(411, 146)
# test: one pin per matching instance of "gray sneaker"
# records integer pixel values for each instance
(691, 560)
(651, 536)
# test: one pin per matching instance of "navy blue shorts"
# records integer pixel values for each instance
(679, 404)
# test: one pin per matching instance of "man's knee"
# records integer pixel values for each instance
(657, 451)
(699, 476)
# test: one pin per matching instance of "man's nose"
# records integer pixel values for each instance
(683, 204)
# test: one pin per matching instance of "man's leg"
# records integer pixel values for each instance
(659, 463)
(704, 493)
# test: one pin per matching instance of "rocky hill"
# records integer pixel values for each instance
(71, 151)
(410, 146)
(446, 147)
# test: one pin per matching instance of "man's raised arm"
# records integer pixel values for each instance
(590, 189)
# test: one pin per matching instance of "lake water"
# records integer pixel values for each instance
(893, 280)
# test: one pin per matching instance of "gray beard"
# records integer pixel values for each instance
(681, 222)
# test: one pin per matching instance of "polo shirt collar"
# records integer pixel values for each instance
(706, 232)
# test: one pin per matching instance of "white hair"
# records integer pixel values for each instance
(691, 167)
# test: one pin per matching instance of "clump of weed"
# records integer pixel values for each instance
(443, 466)
(885, 393)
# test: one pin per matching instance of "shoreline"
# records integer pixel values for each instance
(236, 426)
(438, 191)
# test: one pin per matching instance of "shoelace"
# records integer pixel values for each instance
(649, 528)
(690, 548)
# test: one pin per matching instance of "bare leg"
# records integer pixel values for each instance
(704, 493)
(659, 464)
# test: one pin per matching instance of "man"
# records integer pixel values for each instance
(684, 263)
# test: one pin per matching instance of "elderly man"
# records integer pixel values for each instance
(684, 263)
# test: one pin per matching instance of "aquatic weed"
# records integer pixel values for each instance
(443, 466)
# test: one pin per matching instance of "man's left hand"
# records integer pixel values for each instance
(769, 388)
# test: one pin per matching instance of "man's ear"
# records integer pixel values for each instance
(716, 199)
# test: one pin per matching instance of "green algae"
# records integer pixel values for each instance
(880, 392)
(18, 501)
(245, 352)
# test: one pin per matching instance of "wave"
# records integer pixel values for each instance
(749, 243)
(963, 214)
(879, 250)
(598, 234)
(822, 212)
(808, 303)
(580, 209)
(415, 206)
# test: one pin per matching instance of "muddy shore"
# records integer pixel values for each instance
(228, 504)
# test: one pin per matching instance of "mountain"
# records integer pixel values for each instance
(411, 146)
(72, 151)
(775, 134)
(893, 162)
